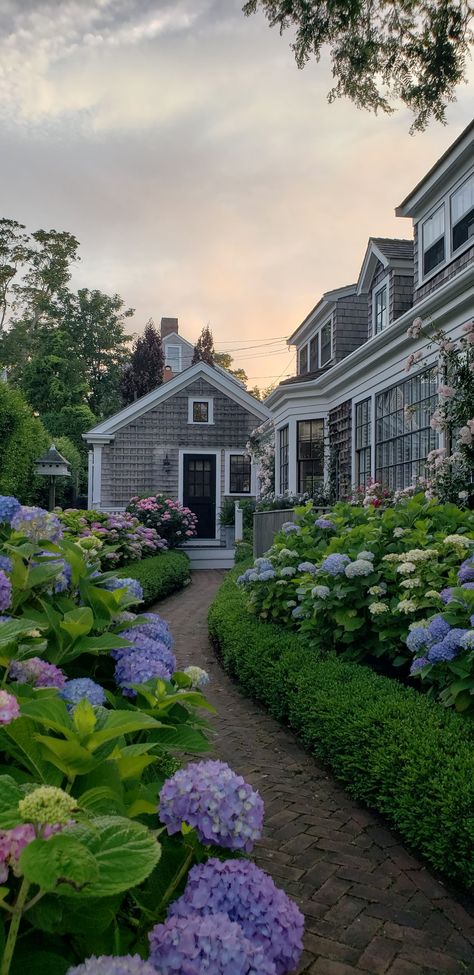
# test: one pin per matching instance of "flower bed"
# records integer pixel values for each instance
(174, 522)
(359, 580)
(106, 847)
(160, 575)
(395, 750)
(117, 539)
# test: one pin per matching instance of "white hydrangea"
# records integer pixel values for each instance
(432, 594)
(458, 541)
(284, 553)
(407, 606)
(361, 567)
(378, 590)
(287, 570)
(392, 557)
(419, 555)
(366, 555)
(197, 675)
(320, 592)
(406, 568)
(410, 583)
(398, 532)
(377, 608)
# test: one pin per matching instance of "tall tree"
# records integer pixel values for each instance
(54, 376)
(14, 252)
(381, 50)
(204, 348)
(225, 360)
(144, 371)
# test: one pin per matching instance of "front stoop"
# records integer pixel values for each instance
(210, 557)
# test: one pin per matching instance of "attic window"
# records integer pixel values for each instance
(303, 360)
(173, 357)
(462, 214)
(326, 343)
(201, 410)
(380, 308)
(433, 241)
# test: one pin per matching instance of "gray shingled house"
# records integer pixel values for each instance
(187, 439)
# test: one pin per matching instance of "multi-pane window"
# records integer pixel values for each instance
(284, 456)
(363, 450)
(200, 411)
(462, 214)
(303, 356)
(380, 309)
(173, 357)
(403, 436)
(310, 455)
(240, 470)
(433, 241)
(314, 354)
(326, 343)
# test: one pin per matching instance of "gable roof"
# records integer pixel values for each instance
(174, 336)
(459, 150)
(321, 309)
(222, 381)
(390, 252)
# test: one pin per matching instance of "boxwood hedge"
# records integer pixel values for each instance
(393, 748)
(160, 575)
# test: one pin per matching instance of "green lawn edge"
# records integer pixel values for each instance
(159, 575)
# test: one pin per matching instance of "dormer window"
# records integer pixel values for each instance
(303, 357)
(380, 308)
(462, 214)
(433, 241)
(326, 343)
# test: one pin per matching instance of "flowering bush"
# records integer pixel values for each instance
(175, 523)
(116, 539)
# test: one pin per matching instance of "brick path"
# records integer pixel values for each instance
(370, 906)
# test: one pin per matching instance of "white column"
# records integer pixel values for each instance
(97, 476)
(90, 477)
(292, 456)
(239, 522)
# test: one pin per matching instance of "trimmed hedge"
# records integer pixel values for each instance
(159, 575)
(392, 747)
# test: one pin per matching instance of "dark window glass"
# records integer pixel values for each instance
(326, 342)
(314, 354)
(283, 446)
(303, 360)
(363, 450)
(403, 436)
(240, 474)
(310, 455)
(201, 412)
(462, 213)
(433, 241)
(381, 317)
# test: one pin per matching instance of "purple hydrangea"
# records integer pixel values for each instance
(9, 708)
(289, 526)
(157, 628)
(438, 628)
(325, 524)
(111, 965)
(13, 842)
(139, 665)
(36, 524)
(447, 648)
(335, 564)
(8, 508)
(37, 672)
(446, 595)
(466, 571)
(249, 897)
(6, 564)
(83, 689)
(5, 591)
(134, 591)
(468, 585)
(219, 804)
(64, 579)
(212, 944)
(418, 664)
(142, 641)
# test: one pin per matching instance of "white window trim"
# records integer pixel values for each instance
(384, 283)
(253, 475)
(317, 335)
(449, 254)
(217, 451)
(210, 410)
(173, 345)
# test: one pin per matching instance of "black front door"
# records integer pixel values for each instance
(199, 491)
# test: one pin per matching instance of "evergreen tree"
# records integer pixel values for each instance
(204, 348)
(144, 371)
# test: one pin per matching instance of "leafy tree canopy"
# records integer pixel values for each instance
(144, 370)
(225, 360)
(204, 348)
(382, 50)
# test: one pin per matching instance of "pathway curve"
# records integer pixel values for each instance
(370, 906)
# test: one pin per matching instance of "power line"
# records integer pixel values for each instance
(267, 339)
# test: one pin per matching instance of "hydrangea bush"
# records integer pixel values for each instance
(117, 539)
(174, 522)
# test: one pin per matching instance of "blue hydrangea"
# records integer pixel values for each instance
(137, 665)
(289, 527)
(37, 524)
(112, 965)
(263, 564)
(468, 585)
(6, 564)
(5, 591)
(248, 896)
(448, 648)
(446, 595)
(325, 524)
(438, 628)
(219, 804)
(307, 567)
(467, 641)
(361, 567)
(245, 577)
(418, 664)
(157, 628)
(134, 591)
(267, 575)
(418, 639)
(212, 944)
(366, 556)
(287, 571)
(335, 564)
(298, 613)
(8, 508)
(83, 689)
(466, 571)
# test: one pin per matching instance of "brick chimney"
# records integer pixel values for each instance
(167, 374)
(168, 325)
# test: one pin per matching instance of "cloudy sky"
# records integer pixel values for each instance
(204, 175)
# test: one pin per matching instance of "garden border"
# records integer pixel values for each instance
(159, 575)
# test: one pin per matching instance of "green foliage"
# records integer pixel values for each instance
(23, 439)
(243, 552)
(144, 370)
(393, 749)
(160, 575)
(382, 52)
(204, 348)
(227, 512)
(71, 422)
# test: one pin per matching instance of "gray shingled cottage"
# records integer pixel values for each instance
(186, 439)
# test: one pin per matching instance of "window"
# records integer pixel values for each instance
(326, 343)
(240, 474)
(433, 241)
(403, 435)
(363, 450)
(380, 310)
(462, 214)
(303, 360)
(283, 447)
(314, 354)
(310, 455)
(173, 357)
(200, 410)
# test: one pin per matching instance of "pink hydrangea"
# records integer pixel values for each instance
(9, 708)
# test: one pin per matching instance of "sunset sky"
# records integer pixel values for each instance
(205, 176)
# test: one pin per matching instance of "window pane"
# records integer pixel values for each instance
(283, 447)
(310, 451)
(201, 412)
(462, 213)
(403, 443)
(173, 357)
(313, 354)
(303, 357)
(326, 341)
(363, 422)
(381, 317)
(433, 241)
(239, 474)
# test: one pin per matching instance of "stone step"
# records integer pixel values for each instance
(209, 557)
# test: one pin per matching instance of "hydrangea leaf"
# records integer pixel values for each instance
(59, 862)
(78, 622)
(126, 853)
(119, 723)
(10, 795)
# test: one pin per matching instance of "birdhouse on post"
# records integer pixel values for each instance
(52, 464)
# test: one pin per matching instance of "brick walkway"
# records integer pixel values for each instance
(370, 906)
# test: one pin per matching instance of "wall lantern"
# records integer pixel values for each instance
(166, 465)
(52, 464)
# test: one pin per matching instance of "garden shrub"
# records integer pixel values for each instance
(243, 552)
(117, 538)
(394, 749)
(159, 575)
(173, 521)
(23, 439)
